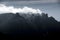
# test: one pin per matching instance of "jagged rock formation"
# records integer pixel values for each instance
(27, 24)
(24, 20)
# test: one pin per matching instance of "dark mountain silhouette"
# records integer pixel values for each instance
(25, 25)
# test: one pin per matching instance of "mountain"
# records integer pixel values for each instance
(28, 24)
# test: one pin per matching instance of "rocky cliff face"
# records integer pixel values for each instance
(27, 24)
(10, 21)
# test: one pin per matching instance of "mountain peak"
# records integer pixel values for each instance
(24, 22)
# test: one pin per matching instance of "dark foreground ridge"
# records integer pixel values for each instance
(20, 25)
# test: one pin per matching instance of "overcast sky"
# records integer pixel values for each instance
(42, 1)
(52, 7)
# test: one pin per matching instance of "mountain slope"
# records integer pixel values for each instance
(32, 20)
(27, 24)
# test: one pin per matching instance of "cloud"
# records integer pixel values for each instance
(27, 2)
(11, 9)
(40, 1)
(19, 0)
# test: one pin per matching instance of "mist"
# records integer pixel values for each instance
(12, 9)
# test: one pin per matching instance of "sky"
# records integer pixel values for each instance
(52, 7)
